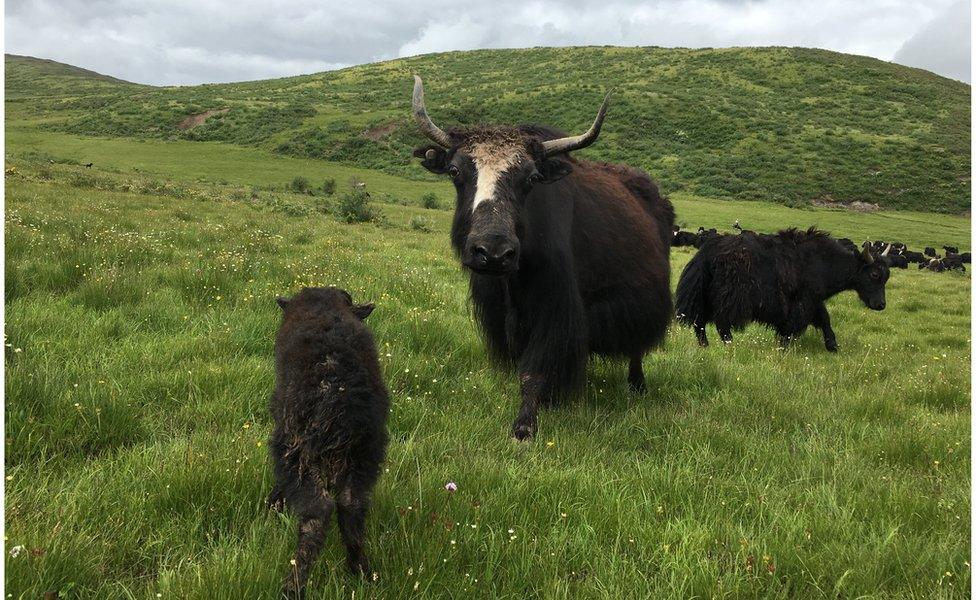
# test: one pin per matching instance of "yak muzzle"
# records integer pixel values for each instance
(492, 256)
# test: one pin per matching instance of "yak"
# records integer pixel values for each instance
(950, 249)
(930, 251)
(330, 407)
(565, 257)
(914, 257)
(781, 280)
(704, 235)
(683, 238)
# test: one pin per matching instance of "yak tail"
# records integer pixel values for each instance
(691, 291)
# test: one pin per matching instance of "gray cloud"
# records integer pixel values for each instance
(942, 45)
(197, 41)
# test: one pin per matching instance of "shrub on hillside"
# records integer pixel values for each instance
(329, 186)
(300, 185)
(354, 206)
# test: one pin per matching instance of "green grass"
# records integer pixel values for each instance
(782, 125)
(140, 316)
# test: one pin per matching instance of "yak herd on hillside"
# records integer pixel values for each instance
(896, 254)
(565, 258)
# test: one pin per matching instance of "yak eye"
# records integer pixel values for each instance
(453, 172)
(535, 177)
(875, 275)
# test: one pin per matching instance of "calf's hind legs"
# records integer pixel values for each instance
(353, 505)
(314, 508)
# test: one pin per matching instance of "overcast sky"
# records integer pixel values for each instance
(200, 41)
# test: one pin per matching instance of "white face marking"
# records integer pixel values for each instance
(492, 160)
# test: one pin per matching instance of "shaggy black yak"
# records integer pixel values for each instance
(781, 280)
(329, 408)
(566, 257)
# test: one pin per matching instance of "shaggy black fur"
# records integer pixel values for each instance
(587, 268)
(330, 407)
(683, 238)
(781, 280)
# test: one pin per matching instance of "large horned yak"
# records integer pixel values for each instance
(566, 257)
(781, 280)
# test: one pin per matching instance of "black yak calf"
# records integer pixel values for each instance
(781, 280)
(329, 407)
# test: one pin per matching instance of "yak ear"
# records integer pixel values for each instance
(282, 302)
(553, 170)
(434, 158)
(363, 310)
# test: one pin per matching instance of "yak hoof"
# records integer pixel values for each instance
(638, 387)
(523, 432)
(831, 346)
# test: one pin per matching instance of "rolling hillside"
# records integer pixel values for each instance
(785, 125)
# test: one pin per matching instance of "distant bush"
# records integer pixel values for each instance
(354, 206)
(329, 186)
(430, 200)
(300, 185)
(423, 224)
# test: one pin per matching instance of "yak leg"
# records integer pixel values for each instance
(821, 320)
(636, 376)
(724, 332)
(314, 508)
(525, 423)
(353, 506)
(701, 335)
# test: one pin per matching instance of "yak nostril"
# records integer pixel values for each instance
(508, 255)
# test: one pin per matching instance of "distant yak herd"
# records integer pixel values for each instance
(565, 258)
(896, 254)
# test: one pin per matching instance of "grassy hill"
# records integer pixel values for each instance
(785, 125)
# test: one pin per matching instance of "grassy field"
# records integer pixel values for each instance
(139, 323)
(785, 125)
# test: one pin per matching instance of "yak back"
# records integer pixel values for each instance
(329, 394)
(760, 276)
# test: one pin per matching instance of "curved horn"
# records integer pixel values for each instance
(867, 256)
(435, 133)
(576, 142)
(886, 250)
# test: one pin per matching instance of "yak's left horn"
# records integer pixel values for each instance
(577, 142)
(435, 133)
(866, 255)
(886, 250)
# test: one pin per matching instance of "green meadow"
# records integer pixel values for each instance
(140, 315)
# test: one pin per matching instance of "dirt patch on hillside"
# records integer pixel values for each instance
(199, 119)
(378, 133)
(857, 205)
